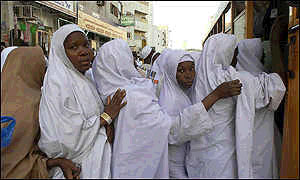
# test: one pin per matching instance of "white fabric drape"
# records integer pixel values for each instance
(267, 141)
(5, 53)
(142, 129)
(173, 99)
(69, 114)
(249, 56)
(89, 75)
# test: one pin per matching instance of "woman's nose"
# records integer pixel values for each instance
(83, 51)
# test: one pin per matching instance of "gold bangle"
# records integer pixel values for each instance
(106, 117)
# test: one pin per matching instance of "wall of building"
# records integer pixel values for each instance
(100, 12)
(140, 31)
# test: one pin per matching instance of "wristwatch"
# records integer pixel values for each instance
(106, 117)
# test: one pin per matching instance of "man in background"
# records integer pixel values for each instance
(149, 55)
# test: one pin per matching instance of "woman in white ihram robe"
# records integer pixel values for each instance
(267, 140)
(226, 151)
(69, 115)
(142, 129)
(174, 99)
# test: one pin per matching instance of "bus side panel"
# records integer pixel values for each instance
(290, 146)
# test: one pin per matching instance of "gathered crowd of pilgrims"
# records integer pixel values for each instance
(176, 114)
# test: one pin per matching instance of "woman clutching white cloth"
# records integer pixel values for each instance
(267, 140)
(73, 124)
(178, 70)
(143, 128)
(226, 152)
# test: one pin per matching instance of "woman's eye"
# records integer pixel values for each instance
(73, 47)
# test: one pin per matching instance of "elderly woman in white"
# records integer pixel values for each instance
(74, 122)
(143, 128)
(267, 140)
(226, 151)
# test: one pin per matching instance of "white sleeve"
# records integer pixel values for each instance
(271, 91)
(194, 121)
(65, 132)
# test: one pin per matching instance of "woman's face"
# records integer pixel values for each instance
(185, 74)
(78, 51)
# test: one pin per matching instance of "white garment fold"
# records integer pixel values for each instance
(69, 114)
(267, 141)
(142, 129)
(249, 56)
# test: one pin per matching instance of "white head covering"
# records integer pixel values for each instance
(217, 55)
(145, 52)
(249, 56)
(69, 113)
(117, 65)
(5, 53)
(172, 97)
(141, 135)
(157, 65)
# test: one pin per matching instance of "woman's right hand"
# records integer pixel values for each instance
(228, 89)
(114, 105)
(68, 167)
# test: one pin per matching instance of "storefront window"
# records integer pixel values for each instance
(228, 20)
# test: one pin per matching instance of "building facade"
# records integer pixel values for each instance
(33, 22)
(101, 21)
(138, 29)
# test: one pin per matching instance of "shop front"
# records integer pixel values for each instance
(34, 22)
(99, 32)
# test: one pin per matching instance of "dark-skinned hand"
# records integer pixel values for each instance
(114, 105)
(229, 89)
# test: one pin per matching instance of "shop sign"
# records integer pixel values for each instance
(66, 7)
(93, 24)
(127, 20)
(69, 5)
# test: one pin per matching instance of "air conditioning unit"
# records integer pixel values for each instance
(100, 3)
(26, 11)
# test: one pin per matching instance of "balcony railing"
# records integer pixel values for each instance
(136, 43)
(144, 3)
(141, 26)
(142, 8)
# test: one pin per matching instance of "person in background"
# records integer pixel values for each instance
(178, 69)
(74, 122)
(149, 55)
(19, 41)
(21, 80)
(267, 140)
(138, 64)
